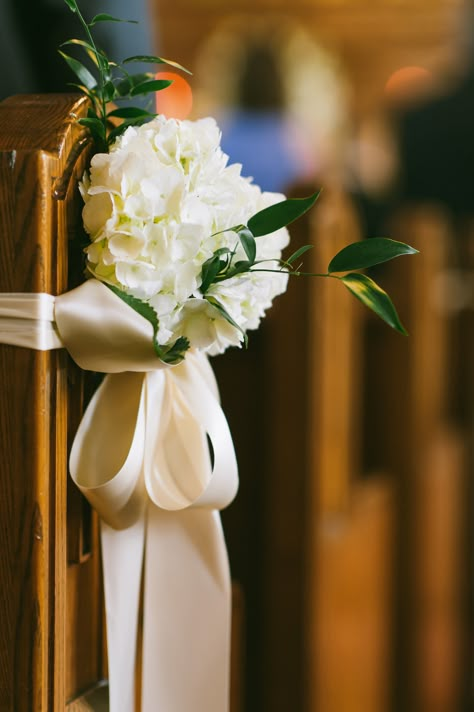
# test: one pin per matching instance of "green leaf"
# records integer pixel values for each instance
(213, 266)
(223, 251)
(292, 258)
(84, 90)
(239, 267)
(209, 271)
(108, 91)
(224, 313)
(169, 354)
(72, 5)
(125, 85)
(118, 131)
(143, 308)
(173, 354)
(95, 55)
(242, 266)
(91, 53)
(368, 253)
(85, 77)
(248, 243)
(280, 215)
(150, 59)
(374, 298)
(130, 112)
(95, 126)
(105, 17)
(149, 86)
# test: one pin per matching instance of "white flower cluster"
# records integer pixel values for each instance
(155, 208)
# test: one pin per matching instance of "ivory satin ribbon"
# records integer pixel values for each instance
(141, 458)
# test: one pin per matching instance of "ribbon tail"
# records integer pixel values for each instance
(187, 613)
(122, 553)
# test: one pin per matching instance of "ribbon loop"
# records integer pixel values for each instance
(107, 452)
(102, 333)
(178, 470)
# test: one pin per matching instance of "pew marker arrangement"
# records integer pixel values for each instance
(179, 234)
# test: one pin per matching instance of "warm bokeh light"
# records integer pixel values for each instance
(407, 83)
(176, 101)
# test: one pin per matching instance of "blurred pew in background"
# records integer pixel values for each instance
(318, 635)
(350, 540)
(412, 427)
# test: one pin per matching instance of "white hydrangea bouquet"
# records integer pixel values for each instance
(181, 235)
(184, 257)
(158, 208)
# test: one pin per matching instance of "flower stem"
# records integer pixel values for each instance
(297, 274)
(103, 106)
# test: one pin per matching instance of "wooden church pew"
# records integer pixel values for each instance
(350, 543)
(357, 456)
(42, 155)
(390, 634)
(418, 442)
(52, 650)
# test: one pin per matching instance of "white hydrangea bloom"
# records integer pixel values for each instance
(155, 207)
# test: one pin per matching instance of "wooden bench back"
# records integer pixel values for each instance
(424, 450)
(50, 611)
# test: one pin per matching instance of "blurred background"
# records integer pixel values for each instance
(351, 538)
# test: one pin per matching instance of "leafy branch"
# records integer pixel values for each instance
(106, 82)
(359, 255)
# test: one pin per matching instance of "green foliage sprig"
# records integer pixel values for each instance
(359, 255)
(108, 83)
(171, 354)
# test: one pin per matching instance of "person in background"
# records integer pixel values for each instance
(257, 132)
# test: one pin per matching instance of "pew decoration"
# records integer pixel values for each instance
(177, 232)
(184, 258)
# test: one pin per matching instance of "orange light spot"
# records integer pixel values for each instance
(176, 101)
(408, 82)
